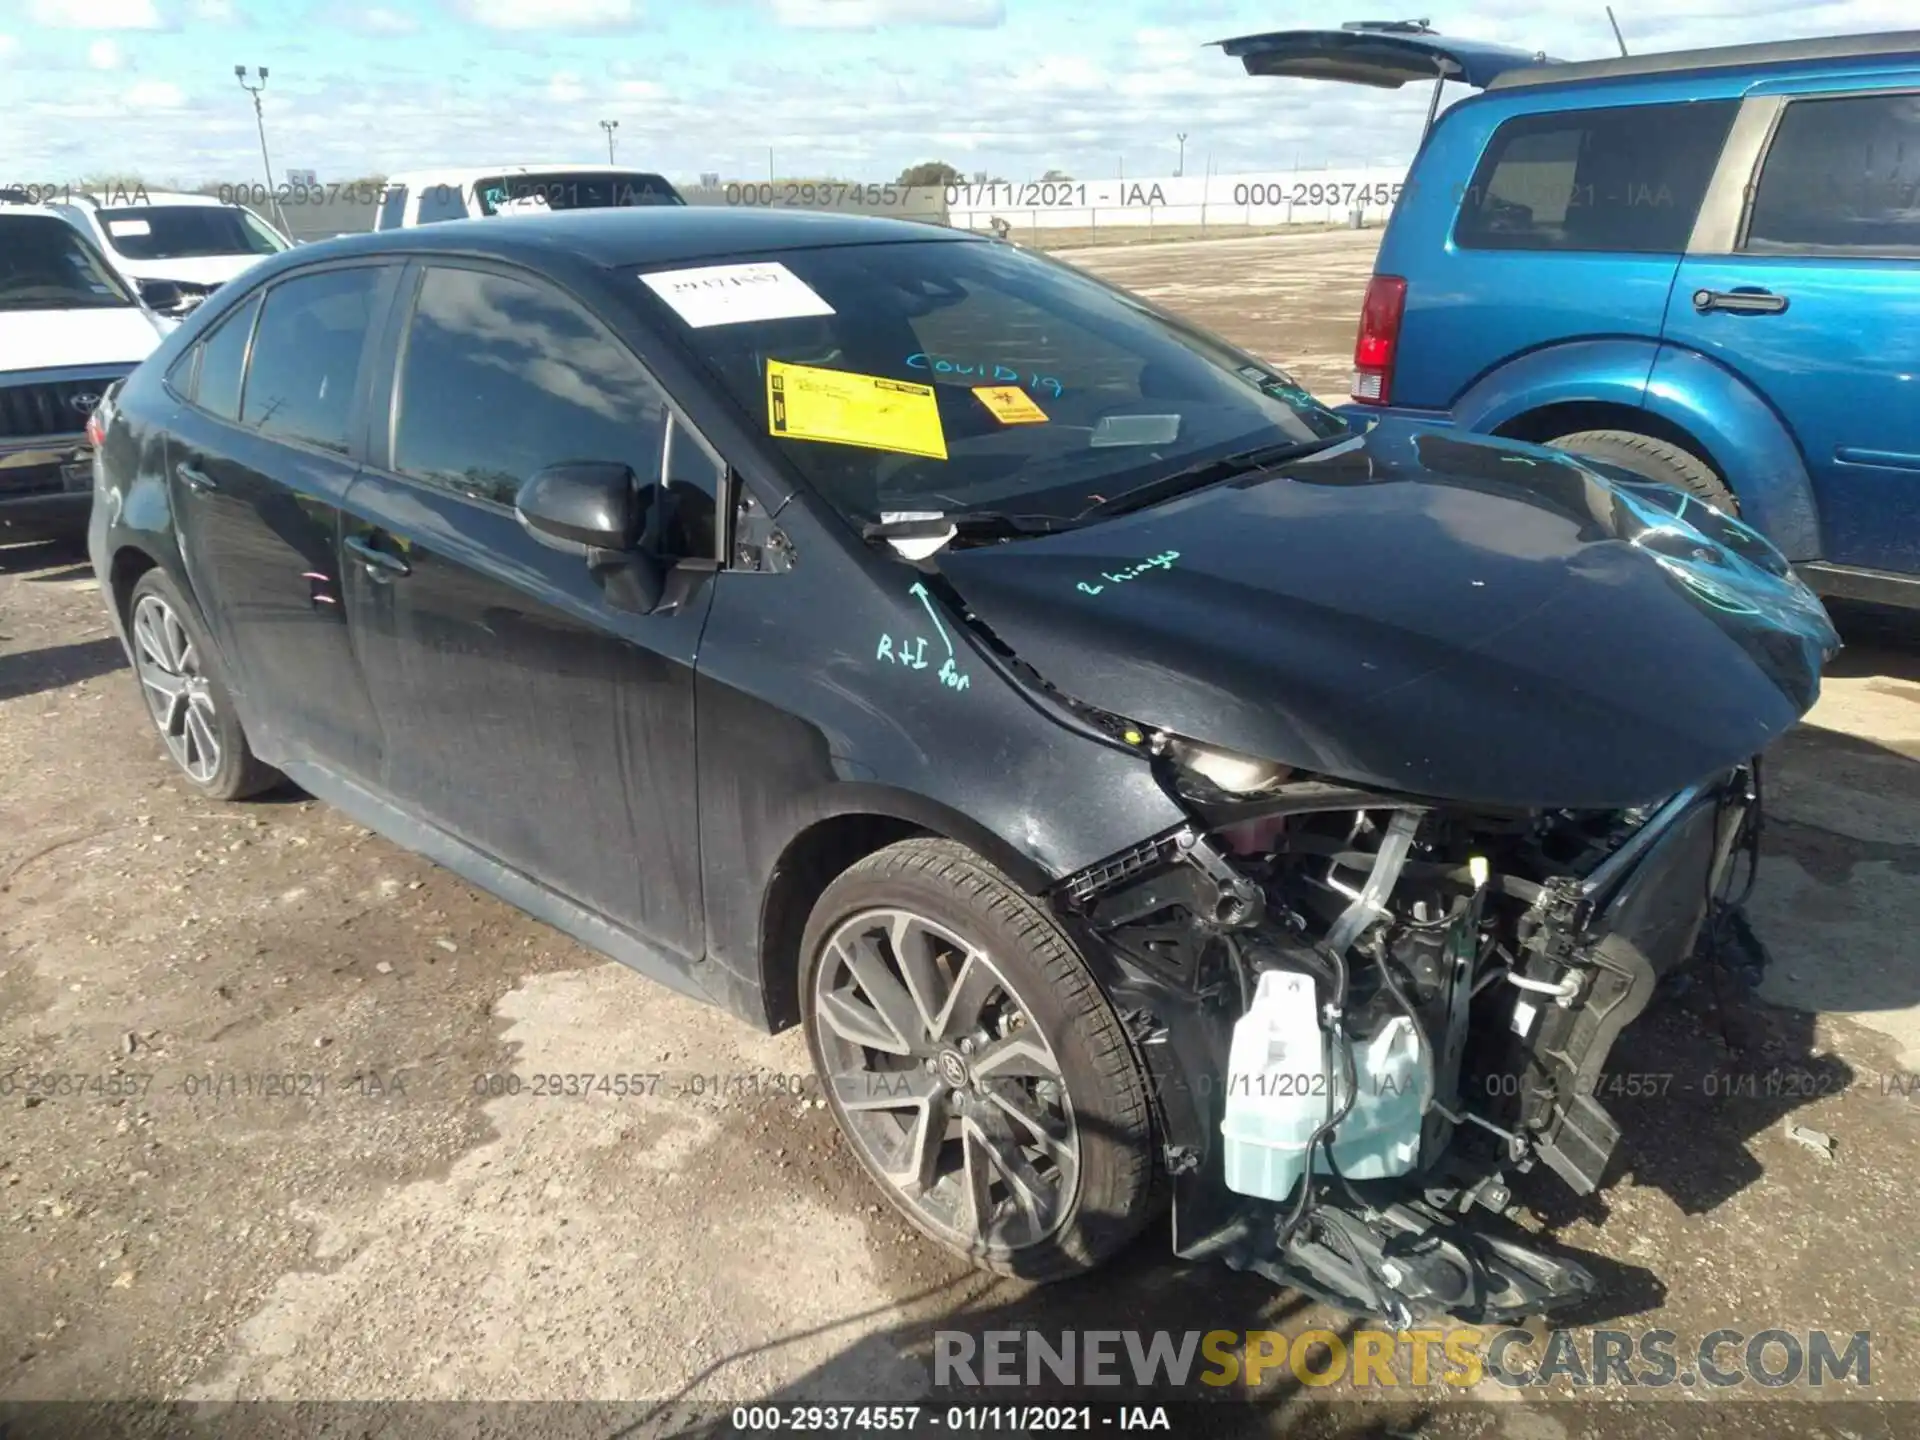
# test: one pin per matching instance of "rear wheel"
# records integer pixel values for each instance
(977, 1070)
(1659, 460)
(186, 696)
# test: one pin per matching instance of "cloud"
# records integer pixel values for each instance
(213, 12)
(877, 14)
(9, 47)
(105, 55)
(576, 15)
(155, 95)
(378, 20)
(96, 14)
(565, 88)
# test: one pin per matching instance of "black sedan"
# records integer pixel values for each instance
(1136, 781)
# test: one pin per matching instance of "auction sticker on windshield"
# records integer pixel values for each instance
(806, 403)
(1009, 404)
(734, 294)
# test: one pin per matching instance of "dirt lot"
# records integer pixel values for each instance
(266, 1164)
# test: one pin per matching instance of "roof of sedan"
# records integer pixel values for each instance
(643, 235)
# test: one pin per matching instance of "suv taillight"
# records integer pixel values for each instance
(1379, 337)
(96, 432)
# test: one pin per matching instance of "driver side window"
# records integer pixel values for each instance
(502, 376)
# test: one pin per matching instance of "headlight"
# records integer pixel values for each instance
(1225, 770)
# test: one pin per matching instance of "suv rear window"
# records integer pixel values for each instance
(1841, 177)
(1623, 179)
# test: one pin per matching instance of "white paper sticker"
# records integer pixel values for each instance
(733, 294)
(121, 228)
(1523, 1013)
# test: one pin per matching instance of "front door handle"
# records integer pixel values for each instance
(380, 564)
(1739, 302)
(194, 478)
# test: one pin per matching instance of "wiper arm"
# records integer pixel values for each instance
(1207, 472)
(975, 524)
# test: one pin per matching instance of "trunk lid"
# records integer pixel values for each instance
(1382, 54)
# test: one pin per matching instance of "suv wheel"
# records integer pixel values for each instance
(180, 681)
(1656, 459)
(973, 1064)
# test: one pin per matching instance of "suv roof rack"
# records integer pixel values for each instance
(1774, 52)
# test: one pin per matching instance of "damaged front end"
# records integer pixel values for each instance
(1401, 1003)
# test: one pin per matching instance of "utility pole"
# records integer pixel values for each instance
(260, 120)
(610, 126)
(1180, 168)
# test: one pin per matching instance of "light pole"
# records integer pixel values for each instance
(1181, 167)
(260, 120)
(610, 126)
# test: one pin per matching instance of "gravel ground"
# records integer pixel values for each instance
(273, 1168)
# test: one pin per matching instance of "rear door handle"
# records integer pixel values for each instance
(1739, 302)
(381, 564)
(194, 478)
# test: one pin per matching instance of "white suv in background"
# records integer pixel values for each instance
(425, 197)
(70, 328)
(189, 244)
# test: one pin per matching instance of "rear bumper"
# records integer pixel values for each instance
(1365, 415)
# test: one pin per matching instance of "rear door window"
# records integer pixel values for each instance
(441, 202)
(1842, 177)
(1623, 179)
(223, 356)
(393, 208)
(306, 356)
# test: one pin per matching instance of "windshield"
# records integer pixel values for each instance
(181, 232)
(563, 190)
(45, 264)
(964, 376)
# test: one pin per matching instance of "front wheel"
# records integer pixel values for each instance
(977, 1070)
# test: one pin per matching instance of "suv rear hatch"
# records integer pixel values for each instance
(1385, 54)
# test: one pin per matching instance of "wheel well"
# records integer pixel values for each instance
(129, 564)
(810, 863)
(1552, 421)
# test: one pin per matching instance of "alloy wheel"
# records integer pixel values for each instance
(943, 1079)
(179, 694)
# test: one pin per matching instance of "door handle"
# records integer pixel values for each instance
(380, 564)
(194, 478)
(1739, 302)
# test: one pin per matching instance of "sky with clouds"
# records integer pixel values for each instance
(852, 88)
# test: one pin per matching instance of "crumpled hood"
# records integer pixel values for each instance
(1466, 619)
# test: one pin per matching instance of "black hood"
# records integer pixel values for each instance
(1466, 619)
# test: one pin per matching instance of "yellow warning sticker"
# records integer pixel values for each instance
(1010, 404)
(806, 403)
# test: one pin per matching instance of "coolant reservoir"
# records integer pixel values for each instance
(1278, 1094)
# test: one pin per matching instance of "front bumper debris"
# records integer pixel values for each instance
(1546, 971)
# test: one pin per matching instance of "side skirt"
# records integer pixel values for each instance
(518, 890)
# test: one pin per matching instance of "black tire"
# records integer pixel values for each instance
(1658, 460)
(1117, 1187)
(236, 772)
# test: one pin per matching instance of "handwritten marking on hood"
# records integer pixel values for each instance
(1162, 561)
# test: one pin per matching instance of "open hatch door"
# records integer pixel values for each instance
(1385, 54)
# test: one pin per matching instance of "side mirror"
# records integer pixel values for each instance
(162, 295)
(586, 502)
(592, 503)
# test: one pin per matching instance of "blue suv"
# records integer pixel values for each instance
(1703, 266)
